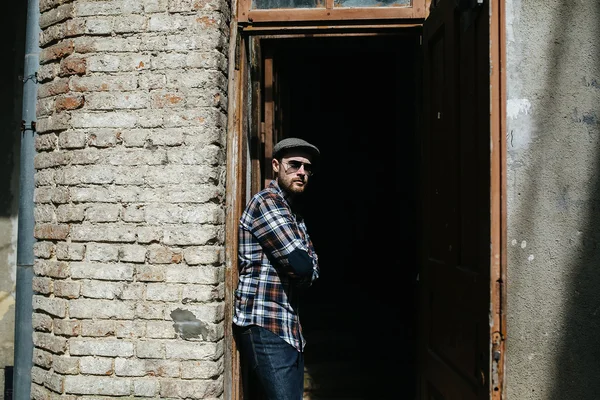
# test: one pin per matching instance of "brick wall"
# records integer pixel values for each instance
(129, 199)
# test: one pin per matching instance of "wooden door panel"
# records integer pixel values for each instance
(455, 277)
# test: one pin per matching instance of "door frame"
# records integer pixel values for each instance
(239, 169)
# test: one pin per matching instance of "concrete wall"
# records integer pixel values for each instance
(130, 199)
(553, 199)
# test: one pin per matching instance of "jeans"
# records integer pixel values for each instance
(270, 364)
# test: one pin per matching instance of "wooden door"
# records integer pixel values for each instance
(457, 299)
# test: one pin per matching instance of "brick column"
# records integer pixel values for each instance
(129, 197)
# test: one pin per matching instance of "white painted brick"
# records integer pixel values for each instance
(130, 329)
(70, 251)
(160, 330)
(192, 235)
(150, 273)
(205, 255)
(203, 275)
(113, 119)
(119, 100)
(49, 160)
(129, 367)
(88, 270)
(168, 23)
(150, 349)
(45, 177)
(145, 387)
(154, 6)
(158, 254)
(204, 369)
(93, 83)
(38, 375)
(182, 350)
(202, 293)
(54, 382)
(42, 285)
(114, 44)
(66, 365)
(151, 118)
(72, 140)
(69, 213)
(85, 156)
(104, 232)
(98, 25)
(102, 252)
(67, 289)
(47, 341)
(67, 327)
(96, 365)
(102, 309)
(132, 253)
(103, 213)
(53, 306)
(186, 174)
(132, 291)
(42, 358)
(101, 347)
(129, 23)
(89, 9)
(91, 174)
(152, 80)
(177, 194)
(53, 269)
(104, 290)
(195, 389)
(100, 328)
(147, 234)
(41, 322)
(202, 79)
(163, 292)
(97, 385)
(43, 249)
(134, 157)
(133, 213)
(103, 138)
(148, 310)
(56, 15)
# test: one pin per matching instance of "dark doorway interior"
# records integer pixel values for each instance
(356, 99)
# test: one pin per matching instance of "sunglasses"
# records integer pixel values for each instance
(294, 166)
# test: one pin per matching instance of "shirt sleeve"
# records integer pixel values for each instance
(276, 230)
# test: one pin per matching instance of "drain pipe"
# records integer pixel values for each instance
(24, 290)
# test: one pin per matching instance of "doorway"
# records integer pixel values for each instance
(407, 209)
(356, 99)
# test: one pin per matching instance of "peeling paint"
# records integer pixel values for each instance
(515, 107)
(6, 300)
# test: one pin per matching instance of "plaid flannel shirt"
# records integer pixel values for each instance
(268, 292)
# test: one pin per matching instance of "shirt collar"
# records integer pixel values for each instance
(288, 197)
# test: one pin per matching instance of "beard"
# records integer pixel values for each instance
(292, 185)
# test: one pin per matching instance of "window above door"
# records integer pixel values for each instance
(329, 12)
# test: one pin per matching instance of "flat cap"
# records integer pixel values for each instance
(295, 143)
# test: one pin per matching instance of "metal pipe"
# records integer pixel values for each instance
(25, 239)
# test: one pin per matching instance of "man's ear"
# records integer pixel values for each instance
(275, 165)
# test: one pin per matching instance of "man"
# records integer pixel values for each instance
(277, 262)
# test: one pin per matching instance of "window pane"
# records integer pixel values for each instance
(269, 4)
(372, 3)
